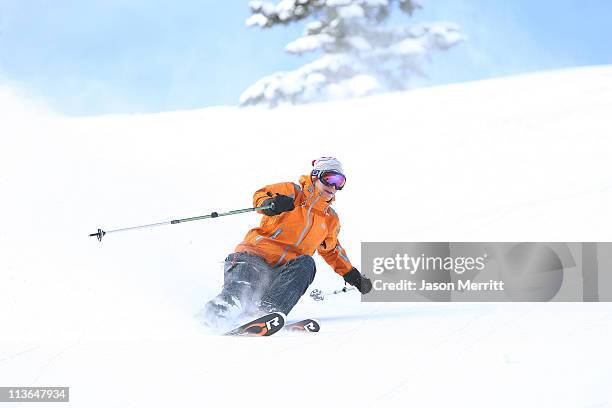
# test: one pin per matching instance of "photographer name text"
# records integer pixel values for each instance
(424, 285)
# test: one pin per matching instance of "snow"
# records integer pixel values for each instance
(308, 43)
(285, 9)
(257, 20)
(375, 3)
(338, 3)
(359, 85)
(409, 46)
(444, 34)
(351, 11)
(513, 159)
(345, 33)
(358, 43)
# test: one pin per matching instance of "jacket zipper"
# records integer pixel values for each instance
(306, 228)
(276, 233)
(273, 236)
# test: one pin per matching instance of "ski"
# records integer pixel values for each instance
(306, 325)
(264, 326)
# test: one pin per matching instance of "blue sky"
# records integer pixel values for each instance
(108, 56)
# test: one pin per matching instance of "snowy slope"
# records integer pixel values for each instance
(514, 159)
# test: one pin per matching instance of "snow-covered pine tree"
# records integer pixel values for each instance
(360, 53)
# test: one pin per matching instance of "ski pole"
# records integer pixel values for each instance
(317, 294)
(101, 233)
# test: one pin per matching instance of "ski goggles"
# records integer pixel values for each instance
(332, 179)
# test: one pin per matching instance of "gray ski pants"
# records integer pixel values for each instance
(256, 284)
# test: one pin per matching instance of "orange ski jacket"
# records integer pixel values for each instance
(312, 226)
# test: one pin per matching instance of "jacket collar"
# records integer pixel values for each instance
(310, 193)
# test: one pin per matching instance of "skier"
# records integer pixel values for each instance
(273, 266)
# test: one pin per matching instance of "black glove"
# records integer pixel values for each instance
(280, 204)
(356, 279)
